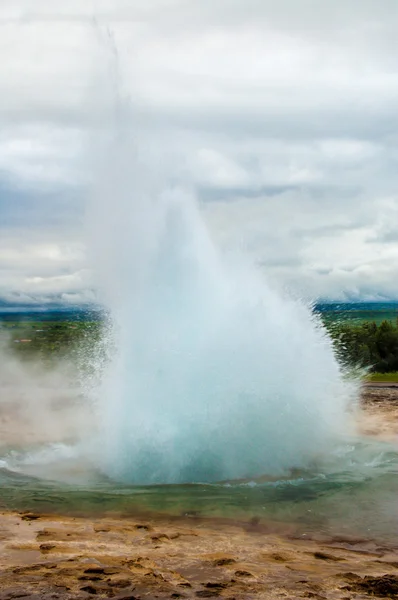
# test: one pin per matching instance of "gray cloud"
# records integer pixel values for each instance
(281, 116)
(386, 237)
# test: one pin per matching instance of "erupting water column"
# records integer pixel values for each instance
(214, 376)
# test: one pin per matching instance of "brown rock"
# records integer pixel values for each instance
(216, 585)
(159, 537)
(46, 547)
(385, 586)
(223, 562)
(89, 589)
(324, 556)
(120, 583)
(243, 574)
(95, 570)
(29, 516)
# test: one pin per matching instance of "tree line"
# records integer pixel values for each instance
(366, 345)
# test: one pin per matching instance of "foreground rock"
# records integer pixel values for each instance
(379, 414)
(70, 558)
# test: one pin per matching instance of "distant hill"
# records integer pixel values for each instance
(355, 306)
(345, 310)
(49, 313)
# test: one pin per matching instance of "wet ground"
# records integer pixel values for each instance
(132, 556)
(44, 557)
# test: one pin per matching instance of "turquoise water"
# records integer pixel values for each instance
(359, 499)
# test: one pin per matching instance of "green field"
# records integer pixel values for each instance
(48, 335)
(382, 377)
(52, 341)
(365, 336)
(361, 315)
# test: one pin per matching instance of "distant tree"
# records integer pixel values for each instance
(367, 345)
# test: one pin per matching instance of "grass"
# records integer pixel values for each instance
(382, 377)
(357, 317)
(50, 340)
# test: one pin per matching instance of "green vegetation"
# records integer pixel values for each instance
(359, 316)
(367, 345)
(371, 345)
(50, 341)
(382, 377)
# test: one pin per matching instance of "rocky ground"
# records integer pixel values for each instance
(380, 414)
(43, 556)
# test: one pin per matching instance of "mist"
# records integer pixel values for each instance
(44, 412)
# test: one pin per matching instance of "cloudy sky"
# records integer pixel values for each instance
(282, 114)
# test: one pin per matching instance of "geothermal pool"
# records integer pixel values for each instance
(218, 395)
(334, 505)
(354, 496)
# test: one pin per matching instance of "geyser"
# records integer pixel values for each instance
(213, 375)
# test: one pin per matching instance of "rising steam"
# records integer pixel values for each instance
(214, 376)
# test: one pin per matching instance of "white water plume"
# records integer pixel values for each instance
(214, 375)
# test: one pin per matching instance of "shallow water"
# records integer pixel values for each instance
(355, 495)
